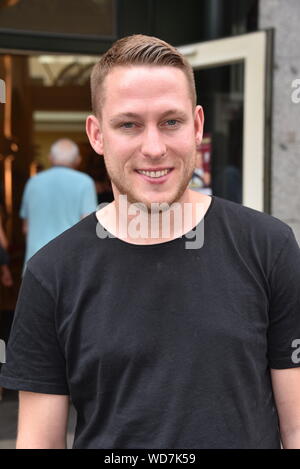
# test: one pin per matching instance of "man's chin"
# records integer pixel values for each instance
(158, 204)
(153, 202)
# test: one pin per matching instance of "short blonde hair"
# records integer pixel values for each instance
(138, 50)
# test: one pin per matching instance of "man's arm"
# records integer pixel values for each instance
(286, 389)
(43, 420)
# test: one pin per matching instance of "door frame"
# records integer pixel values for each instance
(254, 50)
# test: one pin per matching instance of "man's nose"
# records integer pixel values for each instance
(153, 145)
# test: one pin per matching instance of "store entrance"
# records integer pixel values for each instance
(47, 98)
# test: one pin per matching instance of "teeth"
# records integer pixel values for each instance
(155, 174)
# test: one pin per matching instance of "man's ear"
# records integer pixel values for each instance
(94, 133)
(199, 124)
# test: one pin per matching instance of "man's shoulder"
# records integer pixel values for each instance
(79, 175)
(55, 171)
(38, 178)
(67, 247)
(250, 221)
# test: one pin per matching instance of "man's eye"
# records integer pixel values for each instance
(127, 125)
(172, 122)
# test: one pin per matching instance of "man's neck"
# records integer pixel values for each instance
(62, 166)
(136, 226)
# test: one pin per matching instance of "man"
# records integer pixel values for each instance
(56, 199)
(158, 345)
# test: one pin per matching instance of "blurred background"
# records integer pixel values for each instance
(246, 58)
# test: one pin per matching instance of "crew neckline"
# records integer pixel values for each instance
(164, 243)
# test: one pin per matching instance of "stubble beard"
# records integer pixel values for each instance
(128, 190)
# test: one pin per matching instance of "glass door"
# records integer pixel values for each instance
(47, 97)
(231, 81)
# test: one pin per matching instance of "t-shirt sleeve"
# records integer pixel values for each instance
(34, 358)
(89, 198)
(284, 312)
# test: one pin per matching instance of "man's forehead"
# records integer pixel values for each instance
(147, 84)
(124, 77)
(139, 82)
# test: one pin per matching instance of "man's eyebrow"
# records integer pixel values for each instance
(133, 115)
(174, 112)
(124, 115)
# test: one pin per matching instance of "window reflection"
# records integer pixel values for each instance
(221, 93)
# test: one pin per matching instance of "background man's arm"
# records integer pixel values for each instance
(43, 420)
(286, 389)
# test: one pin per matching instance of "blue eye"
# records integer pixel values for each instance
(128, 125)
(172, 122)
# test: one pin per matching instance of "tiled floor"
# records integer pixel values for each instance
(8, 421)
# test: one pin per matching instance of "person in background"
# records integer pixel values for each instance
(57, 198)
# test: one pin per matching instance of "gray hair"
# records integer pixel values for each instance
(64, 151)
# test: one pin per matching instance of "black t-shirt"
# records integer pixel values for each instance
(160, 346)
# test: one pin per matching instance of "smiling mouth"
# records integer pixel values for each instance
(155, 174)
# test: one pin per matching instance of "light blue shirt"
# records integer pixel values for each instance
(53, 201)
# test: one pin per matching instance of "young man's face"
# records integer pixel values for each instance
(148, 132)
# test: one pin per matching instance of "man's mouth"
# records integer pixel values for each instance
(154, 174)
